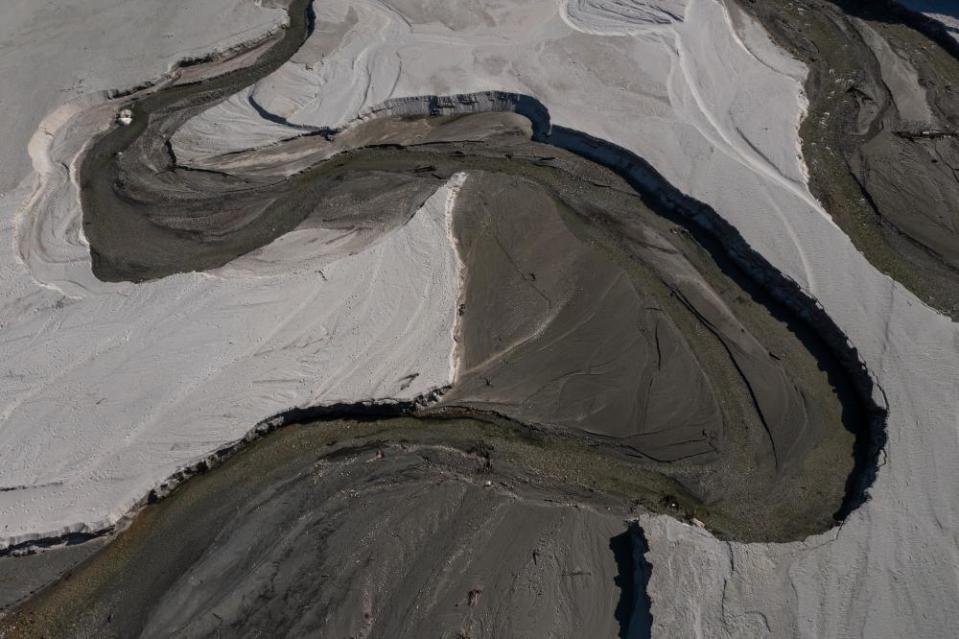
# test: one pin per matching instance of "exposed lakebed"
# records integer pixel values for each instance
(351, 528)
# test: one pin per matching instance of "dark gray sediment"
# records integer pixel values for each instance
(23, 576)
(587, 312)
(700, 321)
(881, 137)
(561, 340)
(622, 348)
(358, 529)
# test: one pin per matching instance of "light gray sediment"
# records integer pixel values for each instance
(706, 329)
(371, 530)
(880, 137)
(716, 389)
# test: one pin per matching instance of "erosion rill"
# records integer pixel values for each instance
(880, 136)
(619, 349)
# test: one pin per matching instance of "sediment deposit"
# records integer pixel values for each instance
(880, 137)
(279, 541)
(575, 311)
(278, 229)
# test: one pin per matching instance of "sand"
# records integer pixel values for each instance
(682, 94)
(178, 369)
(279, 541)
(690, 112)
(580, 363)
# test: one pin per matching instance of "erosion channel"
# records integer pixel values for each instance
(619, 349)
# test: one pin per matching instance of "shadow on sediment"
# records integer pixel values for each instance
(835, 354)
(783, 297)
(891, 12)
(804, 317)
(633, 609)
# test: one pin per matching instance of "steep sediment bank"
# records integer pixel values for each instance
(880, 136)
(381, 167)
(325, 525)
(596, 469)
(766, 423)
(834, 584)
(252, 173)
(791, 423)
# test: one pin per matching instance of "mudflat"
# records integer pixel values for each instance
(608, 358)
(582, 311)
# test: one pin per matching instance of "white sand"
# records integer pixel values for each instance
(110, 393)
(107, 389)
(714, 109)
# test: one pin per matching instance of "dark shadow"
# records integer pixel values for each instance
(765, 284)
(625, 580)
(310, 19)
(633, 609)
(892, 12)
(944, 7)
(36, 545)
